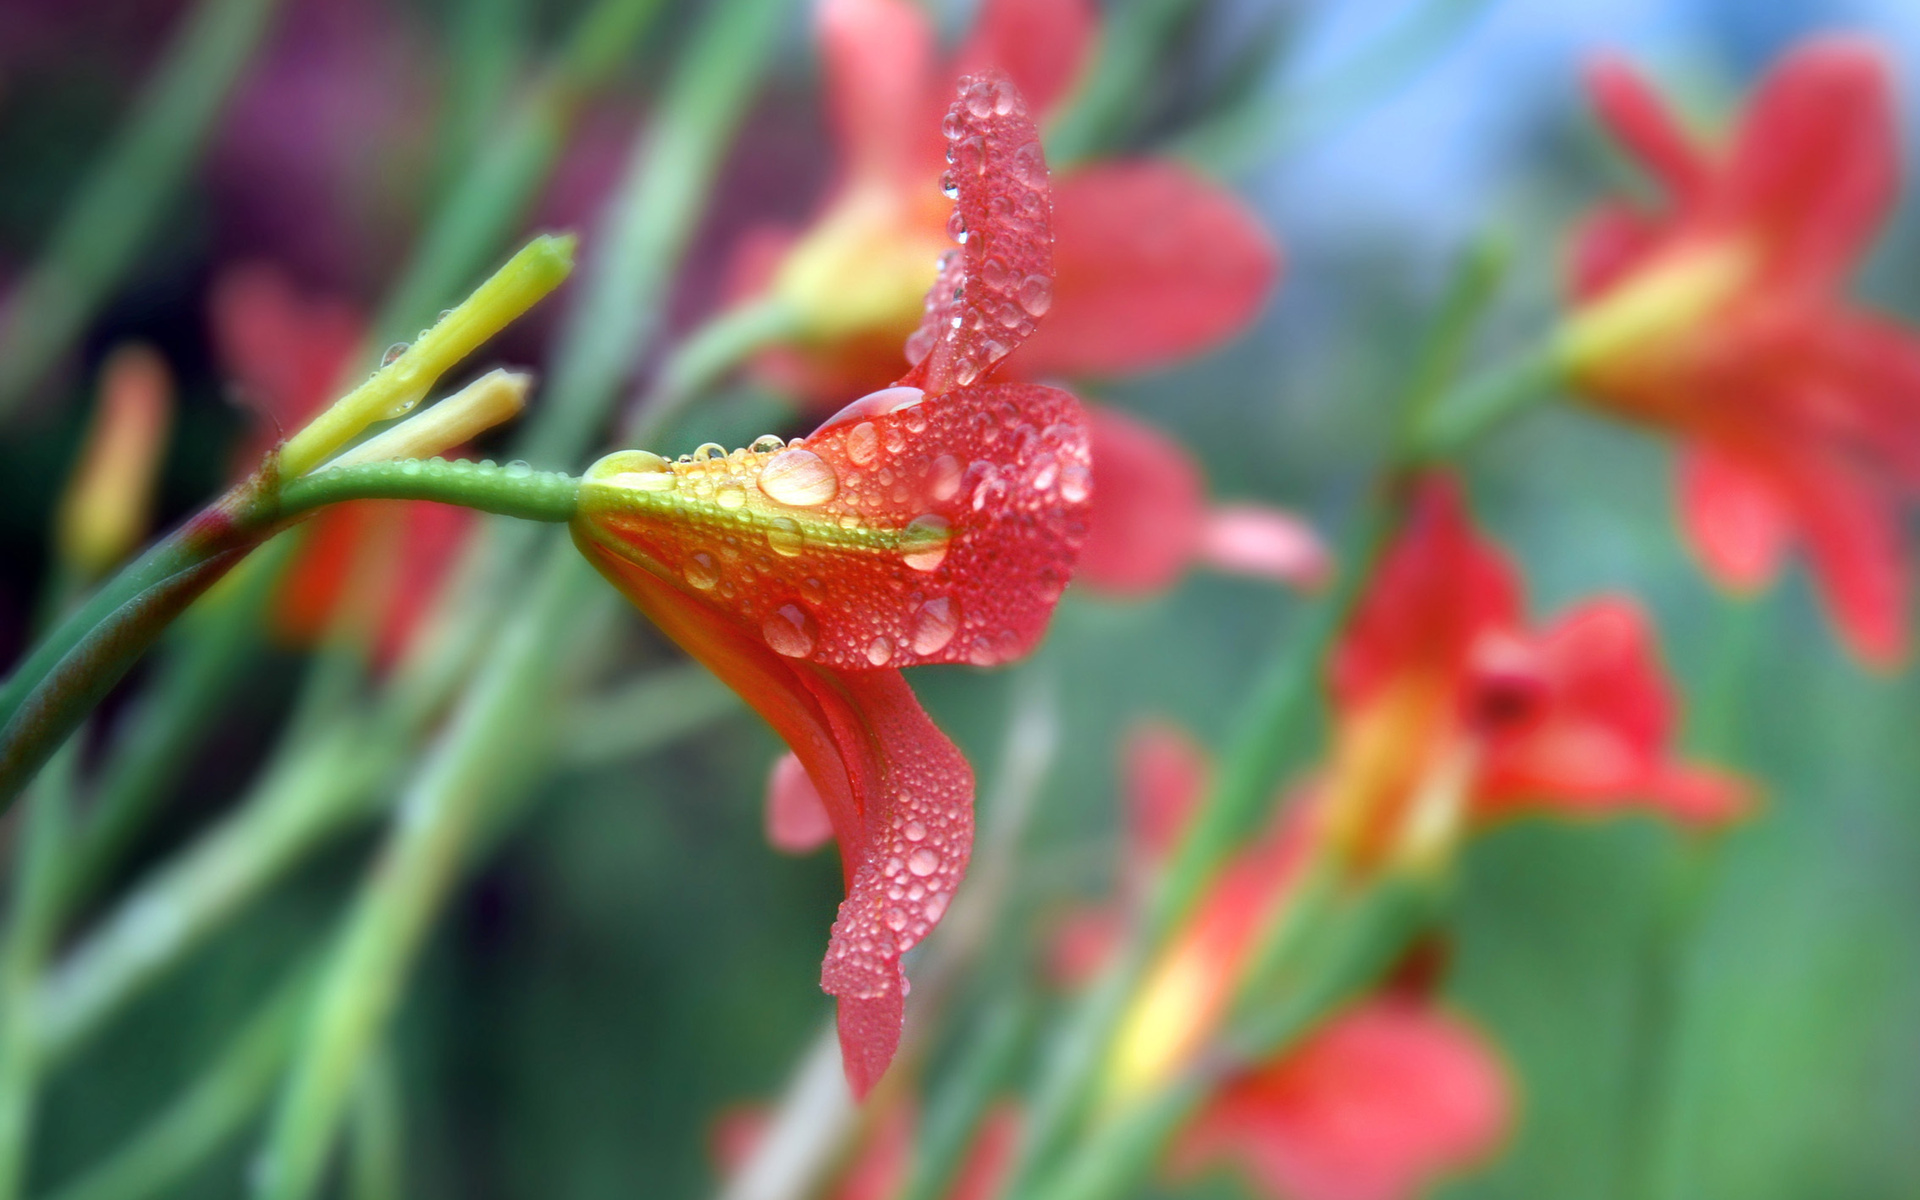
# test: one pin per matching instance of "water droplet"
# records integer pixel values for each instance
(1046, 472)
(730, 496)
(948, 187)
(783, 537)
(934, 624)
(919, 345)
(943, 477)
(923, 543)
(701, 571)
(1036, 295)
(971, 155)
(799, 479)
(914, 831)
(863, 443)
(1076, 482)
(957, 227)
(896, 919)
(410, 467)
(954, 127)
(634, 470)
(393, 354)
(708, 451)
(768, 443)
(915, 419)
(444, 314)
(981, 652)
(813, 590)
(517, 469)
(879, 650)
(979, 99)
(924, 861)
(994, 273)
(789, 631)
(1030, 165)
(1004, 97)
(966, 369)
(896, 440)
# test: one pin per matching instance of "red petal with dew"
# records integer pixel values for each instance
(899, 794)
(1635, 113)
(1602, 732)
(989, 294)
(1438, 588)
(878, 66)
(1042, 45)
(1815, 165)
(1149, 506)
(1375, 1106)
(1154, 264)
(797, 820)
(1734, 517)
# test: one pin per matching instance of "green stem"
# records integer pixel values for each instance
(1132, 41)
(510, 491)
(1484, 403)
(706, 357)
(209, 1114)
(955, 1111)
(377, 1168)
(129, 192)
(29, 935)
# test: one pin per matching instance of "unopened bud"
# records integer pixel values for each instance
(109, 499)
(490, 400)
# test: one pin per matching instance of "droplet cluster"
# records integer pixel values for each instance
(907, 529)
(989, 292)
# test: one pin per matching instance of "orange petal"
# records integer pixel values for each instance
(905, 530)
(989, 294)
(1735, 518)
(1149, 506)
(877, 58)
(1154, 264)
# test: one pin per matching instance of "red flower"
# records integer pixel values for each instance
(1719, 315)
(1449, 709)
(1380, 1100)
(1152, 262)
(287, 355)
(933, 521)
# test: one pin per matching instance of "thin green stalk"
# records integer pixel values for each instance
(441, 811)
(377, 1167)
(706, 357)
(1132, 40)
(957, 1108)
(129, 191)
(209, 1113)
(508, 491)
(1486, 402)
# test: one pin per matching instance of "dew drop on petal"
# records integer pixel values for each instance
(914, 831)
(923, 543)
(1036, 295)
(789, 631)
(879, 650)
(1030, 166)
(1076, 483)
(924, 861)
(934, 624)
(701, 571)
(957, 227)
(730, 496)
(943, 477)
(896, 919)
(915, 419)
(798, 479)
(863, 442)
(783, 537)
(979, 99)
(768, 443)
(949, 188)
(708, 451)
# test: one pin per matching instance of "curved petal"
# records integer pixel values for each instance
(797, 820)
(1375, 1106)
(1815, 162)
(1149, 506)
(899, 795)
(1265, 543)
(1851, 528)
(1438, 588)
(1734, 518)
(877, 56)
(1154, 264)
(905, 530)
(1042, 45)
(1634, 112)
(990, 293)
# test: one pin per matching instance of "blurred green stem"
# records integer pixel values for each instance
(129, 191)
(706, 357)
(377, 1166)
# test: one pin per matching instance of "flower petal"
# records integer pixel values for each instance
(285, 351)
(899, 795)
(1635, 113)
(1815, 163)
(1042, 45)
(905, 530)
(989, 294)
(797, 820)
(1266, 543)
(1851, 527)
(1377, 1104)
(1438, 588)
(1149, 506)
(1155, 264)
(877, 57)
(1608, 245)
(1734, 517)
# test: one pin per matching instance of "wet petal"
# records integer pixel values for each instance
(906, 530)
(1815, 163)
(1636, 114)
(1375, 1106)
(990, 293)
(1266, 543)
(1154, 264)
(1042, 45)
(1437, 589)
(899, 795)
(1149, 506)
(797, 820)
(877, 57)
(1735, 519)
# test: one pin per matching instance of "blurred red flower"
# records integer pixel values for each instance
(1382, 1099)
(933, 521)
(1718, 314)
(287, 354)
(1450, 710)
(878, 1170)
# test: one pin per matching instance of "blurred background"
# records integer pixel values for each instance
(634, 959)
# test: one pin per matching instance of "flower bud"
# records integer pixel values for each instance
(109, 499)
